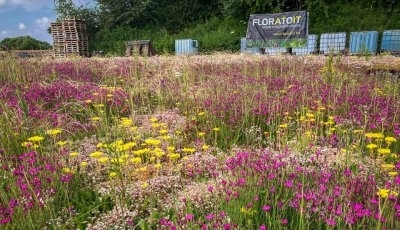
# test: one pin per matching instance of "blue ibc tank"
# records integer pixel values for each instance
(186, 46)
(310, 48)
(332, 43)
(363, 42)
(243, 45)
(275, 50)
(390, 41)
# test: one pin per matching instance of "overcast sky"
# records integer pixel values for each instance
(28, 17)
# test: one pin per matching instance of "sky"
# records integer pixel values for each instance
(28, 17)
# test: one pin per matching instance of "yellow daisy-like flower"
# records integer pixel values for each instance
(384, 151)
(94, 119)
(386, 192)
(36, 139)
(393, 174)
(136, 160)
(103, 160)
(96, 154)
(144, 185)
(201, 134)
(153, 120)
(216, 129)
(163, 131)
(27, 144)
(73, 154)
(189, 150)
(388, 167)
(143, 169)
(62, 143)
(66, 170)
(170, 148)
(390, 139)
(201, 114)
(205, 147)
(113, 174)
(158, 166)
(117, 161)
(84, 164)
(152, 141)
(53, 132)
(283, 126)
(174, 156)
(371, 146)
(357, 131)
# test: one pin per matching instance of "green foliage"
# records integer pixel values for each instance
(112, 23)
(24, 43)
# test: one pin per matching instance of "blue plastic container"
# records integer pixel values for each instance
(363, 42)
(390, 41)
(253, 50)
(332, 43)
(243, 45)
(275, 50)
(186, 46)
(310, 48)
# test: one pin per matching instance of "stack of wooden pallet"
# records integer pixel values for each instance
(70, 38)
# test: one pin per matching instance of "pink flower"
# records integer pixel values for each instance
(189, 216)
(266, 208)
(262, 227)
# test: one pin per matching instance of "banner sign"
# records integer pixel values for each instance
(288, 29)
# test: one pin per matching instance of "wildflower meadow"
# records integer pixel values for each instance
(222, 141)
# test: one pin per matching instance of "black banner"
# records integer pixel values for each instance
(288, 29)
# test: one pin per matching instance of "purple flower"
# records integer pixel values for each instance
(210, 188)
(189, 216)
(331, 222)
(266, 208)
(262, 227)
(288, 184)
(284, 221)
(209, 216)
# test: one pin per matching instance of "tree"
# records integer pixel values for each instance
(24, 43)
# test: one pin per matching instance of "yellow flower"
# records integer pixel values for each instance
(201, 134)
(113, 174)
(73, 154)
(143, 169)
(188, 150)
(67, 170)
(388, 167)
(371, 146)
(53, 132)
(357, 131)
(96, 154)
(62, 143)
(216, 129)
(103, 159)
(153, 120)
(390, 139)
(88, 101)
(94, 119)
(136, 160)
(170, 148)
(158, 165)
(36, 139)
(27, 144)
(201, 114)
(393, 174)
(384, 151)
(386, 192)
(84, 164)
(163, 131)
(283, 125)
(174, 156)
(152, 141)
(144, 185)
(374, 135)
(205, 147)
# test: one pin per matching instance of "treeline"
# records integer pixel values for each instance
(217, 24)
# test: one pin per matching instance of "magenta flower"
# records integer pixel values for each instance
(209, 216)
(266, 208)
(262, 227)
(284, 221)
(189, 216)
